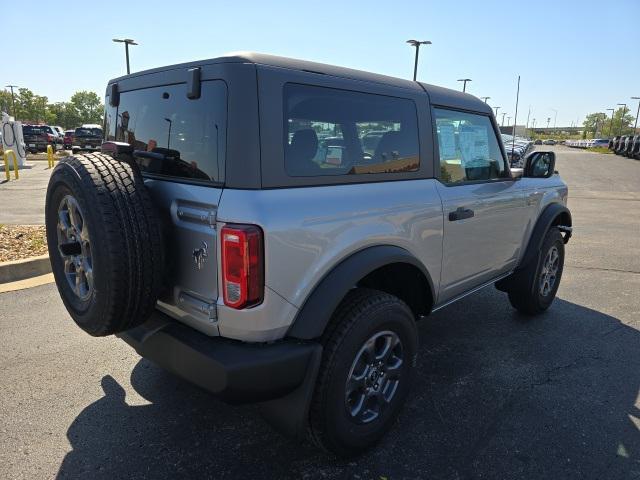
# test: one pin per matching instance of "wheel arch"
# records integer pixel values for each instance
(555, 214)
(387, 268)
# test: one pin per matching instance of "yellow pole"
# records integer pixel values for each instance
(50, 156)
(6, 164)
(15, 164)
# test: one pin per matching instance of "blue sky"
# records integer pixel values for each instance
(574, 56)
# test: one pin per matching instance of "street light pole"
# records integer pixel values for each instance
(464, 84)
(612, 110)
(635, 125)
(127, 42)
(13, 100)
(417, 43)
(485, 99)
(624, 112)
(497, 108)
(555, 118)
(503, 114)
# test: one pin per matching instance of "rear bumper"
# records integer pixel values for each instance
(234, 371)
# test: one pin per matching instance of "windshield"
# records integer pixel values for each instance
(88, 132)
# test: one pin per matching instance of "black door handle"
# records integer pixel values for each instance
(460, 214)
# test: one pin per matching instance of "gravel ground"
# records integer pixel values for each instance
(22, 241)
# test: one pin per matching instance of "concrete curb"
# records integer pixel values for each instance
(25, 268)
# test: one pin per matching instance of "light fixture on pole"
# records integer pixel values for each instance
(555, 118)
(624, 112)
(464, 83)
(13, 101)
(127, 42)
(417, 43)
(635, 125)
(485, 99)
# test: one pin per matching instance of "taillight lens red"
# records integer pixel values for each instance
(242, 265)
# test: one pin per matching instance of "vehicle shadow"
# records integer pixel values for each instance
(496, 396)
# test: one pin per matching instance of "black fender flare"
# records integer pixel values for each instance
(546, 219)
(313, 317)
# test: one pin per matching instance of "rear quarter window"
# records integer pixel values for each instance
(339, 132)
(173, 136)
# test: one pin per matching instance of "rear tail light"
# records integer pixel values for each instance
(242, 265)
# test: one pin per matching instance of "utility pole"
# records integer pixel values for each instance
(624, 112)
(485, 99)
(503, 114)
(127, 42)
(496, 108)
(635, 125)
(464, 84)
(515, 119)
(612, 110)
(417, 43)
(13, 101)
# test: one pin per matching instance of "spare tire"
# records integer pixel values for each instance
(105, 243)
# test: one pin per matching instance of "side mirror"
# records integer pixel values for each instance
(540, 165)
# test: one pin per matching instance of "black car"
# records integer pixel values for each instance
(87, 139)
(37, 137)
(619, 144)
(635, 147)
(614, 143)
(628, 146)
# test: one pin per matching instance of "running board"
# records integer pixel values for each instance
(469, 292)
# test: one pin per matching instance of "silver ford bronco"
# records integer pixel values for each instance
(271, 230)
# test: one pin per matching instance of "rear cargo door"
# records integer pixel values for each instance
(179, 145)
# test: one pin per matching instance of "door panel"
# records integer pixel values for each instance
(480, 247)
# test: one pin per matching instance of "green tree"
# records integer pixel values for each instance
(594, 123)
(622, 123)
(88, 106)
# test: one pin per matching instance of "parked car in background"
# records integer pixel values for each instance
(628, 146)
(549, 141)
(67, 140)
(59, 130)
(600, 142)
(620, 146)
(538, 142)
(635, 149)
(37, 137)
(614, 143)
(87, 139)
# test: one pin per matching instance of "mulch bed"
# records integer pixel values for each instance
(22, 241)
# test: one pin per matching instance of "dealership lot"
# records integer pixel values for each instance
(496, 395)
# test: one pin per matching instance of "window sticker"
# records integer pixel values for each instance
(447, 141)
(474, 145)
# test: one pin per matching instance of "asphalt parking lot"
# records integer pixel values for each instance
(496, 395)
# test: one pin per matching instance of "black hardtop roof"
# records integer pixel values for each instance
(438, 95)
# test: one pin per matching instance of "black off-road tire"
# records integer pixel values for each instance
(526, 296)
(362, 314)
(124, 248)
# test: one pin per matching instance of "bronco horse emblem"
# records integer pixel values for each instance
(200, 255)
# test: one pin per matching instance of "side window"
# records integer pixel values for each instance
(172, 135)
(340, 132)
(468, 148)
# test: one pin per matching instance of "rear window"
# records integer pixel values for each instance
(32, 130)
(340, 132)
(173, 136)
(88, 132)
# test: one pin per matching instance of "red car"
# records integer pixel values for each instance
(67, 141)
